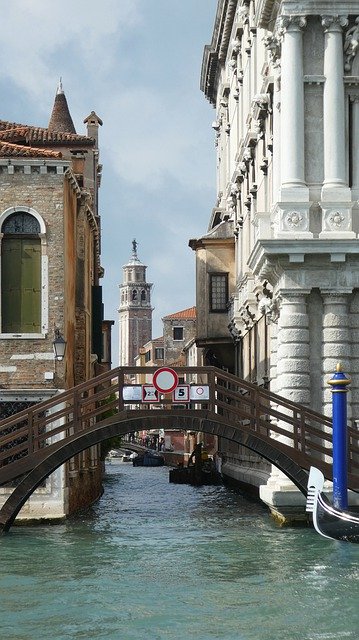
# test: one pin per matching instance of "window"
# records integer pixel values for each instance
(218, 292)
(159, 353)
(177, 333)
(148, 356)
(20, 274)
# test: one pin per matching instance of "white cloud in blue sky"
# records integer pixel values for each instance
(137, 64)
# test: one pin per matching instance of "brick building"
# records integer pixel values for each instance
(50, 283)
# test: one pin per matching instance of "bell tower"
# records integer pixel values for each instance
(135, 310)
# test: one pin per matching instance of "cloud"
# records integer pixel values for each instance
(158, 137)
(34, 31)
(137, 64)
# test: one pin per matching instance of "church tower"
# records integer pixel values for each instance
(135, 311)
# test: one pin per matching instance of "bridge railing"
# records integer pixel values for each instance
(237, 402)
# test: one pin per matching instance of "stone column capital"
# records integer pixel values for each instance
(292, 23)
(293, 296)
(334, 23)
(335, 297)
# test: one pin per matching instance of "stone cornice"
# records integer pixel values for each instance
(296, 250)
(319, 7)
(214, 54)
(267, 13)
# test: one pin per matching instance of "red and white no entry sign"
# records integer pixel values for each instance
(165, 380)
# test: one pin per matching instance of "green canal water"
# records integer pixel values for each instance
(158, 561)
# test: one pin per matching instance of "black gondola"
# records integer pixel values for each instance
(148, 459)
(328, 521)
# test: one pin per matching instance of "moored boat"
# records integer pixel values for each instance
(329, 521)
(148, 459)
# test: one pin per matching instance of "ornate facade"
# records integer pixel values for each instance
(283, 78)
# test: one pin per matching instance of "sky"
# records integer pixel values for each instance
(137, 63)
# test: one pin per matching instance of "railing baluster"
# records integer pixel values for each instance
(30, 436)
(120, 383)
(212, 391)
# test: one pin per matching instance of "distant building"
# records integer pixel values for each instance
(135, 310)
(178, 329)
(50, 283)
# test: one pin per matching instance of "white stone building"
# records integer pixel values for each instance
(283, 78)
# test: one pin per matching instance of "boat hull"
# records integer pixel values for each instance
(336, 524)
(329, 521)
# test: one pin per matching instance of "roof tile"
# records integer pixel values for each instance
(186, 314)
(8, 150)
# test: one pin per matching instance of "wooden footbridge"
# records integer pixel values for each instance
(36, 441)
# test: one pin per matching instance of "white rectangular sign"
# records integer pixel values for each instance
(181, 393)
(132, 392)
(199, 392)
(149, 393)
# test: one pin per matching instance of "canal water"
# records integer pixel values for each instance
(159, 561)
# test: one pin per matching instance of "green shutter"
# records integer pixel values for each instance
(21, 285)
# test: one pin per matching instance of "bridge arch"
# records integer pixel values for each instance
(58, 453)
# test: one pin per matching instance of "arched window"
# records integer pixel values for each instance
(143, 295)
(134, 294)
(21, 274)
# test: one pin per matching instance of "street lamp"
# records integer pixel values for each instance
(59, 345)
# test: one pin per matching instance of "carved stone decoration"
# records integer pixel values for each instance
(231, 206)
(243, 15)
(269, 307)
(334, 22)
(336, 220)
(287, 23)
(273, 44)
(236, 44)
(261, 100)
(234, 331)
(293, 219)
(351, 45)
(258, 128)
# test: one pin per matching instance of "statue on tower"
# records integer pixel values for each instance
(134, 248)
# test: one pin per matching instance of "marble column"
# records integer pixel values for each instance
(333, 104)
(293, 379)
(292, 382)
(292, 357)
(336, 195)
(292, 106)
(354, 143)
(336, 339)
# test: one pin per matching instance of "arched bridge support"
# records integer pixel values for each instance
(196, 420)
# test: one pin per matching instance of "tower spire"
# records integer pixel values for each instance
(60, 120)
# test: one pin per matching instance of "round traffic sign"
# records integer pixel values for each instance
(165, 380)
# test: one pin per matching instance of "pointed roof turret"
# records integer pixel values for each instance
(60, 119)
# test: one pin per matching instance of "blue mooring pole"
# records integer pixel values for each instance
(339, 383)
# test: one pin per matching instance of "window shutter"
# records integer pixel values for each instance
(10, 270)
(21, 285)
(30, 286)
